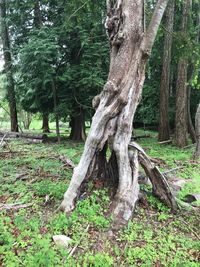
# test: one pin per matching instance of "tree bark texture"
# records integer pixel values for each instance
(181, 122)
(191, 129)
(77, 124)
(164, 130)
(197, 130)
(45, 123)
(8, 67)
(116, 106)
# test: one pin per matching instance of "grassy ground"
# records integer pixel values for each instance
(154, 237)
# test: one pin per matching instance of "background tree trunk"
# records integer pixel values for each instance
(181, 122)
(191, 129)
(116, 106)
(164, 130)
(77, 124)
(45, 123)
(55, 110)
(197, 130)
(8, 67)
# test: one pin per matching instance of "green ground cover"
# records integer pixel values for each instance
(155, 237)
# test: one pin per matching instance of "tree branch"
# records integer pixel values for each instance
(154, 25)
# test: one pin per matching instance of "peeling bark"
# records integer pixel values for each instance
(116, 106)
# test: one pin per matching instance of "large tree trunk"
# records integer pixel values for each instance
(197, 130)
(181, 122)
(116, 106)
(45, 123)
(164, 130)
(77, 124)
(8, 67)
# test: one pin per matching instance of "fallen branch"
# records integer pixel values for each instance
(14, 206)
(67, 162)
(140, 137)
(165, 142)
(3, 139)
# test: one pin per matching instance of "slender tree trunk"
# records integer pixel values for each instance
(45, 123)
(191, 129)
(197, 130)
(8, 67)
(77, 124)
(181, 121)
(164, 130)
(116, 106)
(37, 15)
(55, 110)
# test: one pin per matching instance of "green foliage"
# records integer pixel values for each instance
(154, 236)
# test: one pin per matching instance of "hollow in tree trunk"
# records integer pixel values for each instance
(8, 67)
(77, 124)
(115, 109)
(45, 123)
(164, 130)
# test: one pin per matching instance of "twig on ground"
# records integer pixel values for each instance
(78, 243)
(189, 228)
(173, 170)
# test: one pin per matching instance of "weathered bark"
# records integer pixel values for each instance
(116, 105)
(197, 130)
(77, 124)
(164, 130)
(181, 122)
(8, 67)
(45, 123)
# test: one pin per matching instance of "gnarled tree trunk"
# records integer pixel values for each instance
(8, 67)
(164, 130)
(116, 106)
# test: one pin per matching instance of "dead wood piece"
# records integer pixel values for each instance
(158, 161)
(21, 176)
(192, 198)
(140, 137)
(34, 141)
(2, 140)
(160, 186)
(14, 206)
(165, 142)
(67, 162)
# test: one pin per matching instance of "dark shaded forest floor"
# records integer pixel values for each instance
(33, 175)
